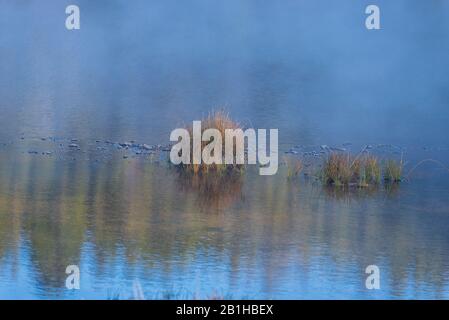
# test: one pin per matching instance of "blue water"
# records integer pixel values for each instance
(137, 70)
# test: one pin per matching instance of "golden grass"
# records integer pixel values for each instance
(372, 169)
(337, 169)
(221, 121)
(369, 171)
(294, 167)
(393, 170)
(341, 169)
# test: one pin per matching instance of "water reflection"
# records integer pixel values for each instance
(214, 190)
(137, 71)
(349, 193)
(268, 237)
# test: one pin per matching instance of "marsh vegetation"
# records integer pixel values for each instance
(221, 121)
(363, 170)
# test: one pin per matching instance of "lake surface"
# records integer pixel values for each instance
(136, 71)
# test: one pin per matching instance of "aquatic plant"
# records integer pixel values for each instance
(336, 169)
(341, 169)
(294, 167)
(393, 170)
(221, 121)
(370, 172)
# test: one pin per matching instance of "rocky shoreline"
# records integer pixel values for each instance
(54, 146)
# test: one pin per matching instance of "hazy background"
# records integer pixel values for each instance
(138, 69)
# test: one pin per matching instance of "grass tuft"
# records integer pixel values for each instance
(369, 171)
(393, 170)
(294, 167)
(341, 169)
(221, 121)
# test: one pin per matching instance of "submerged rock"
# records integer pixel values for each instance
(125, 144)
(338, 149)
(146, 147)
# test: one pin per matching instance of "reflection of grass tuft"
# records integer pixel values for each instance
(349, 194)
(214, 190)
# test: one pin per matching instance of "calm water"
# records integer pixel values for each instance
(137, 71)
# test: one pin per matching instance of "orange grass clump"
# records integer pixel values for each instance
(221, 121)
